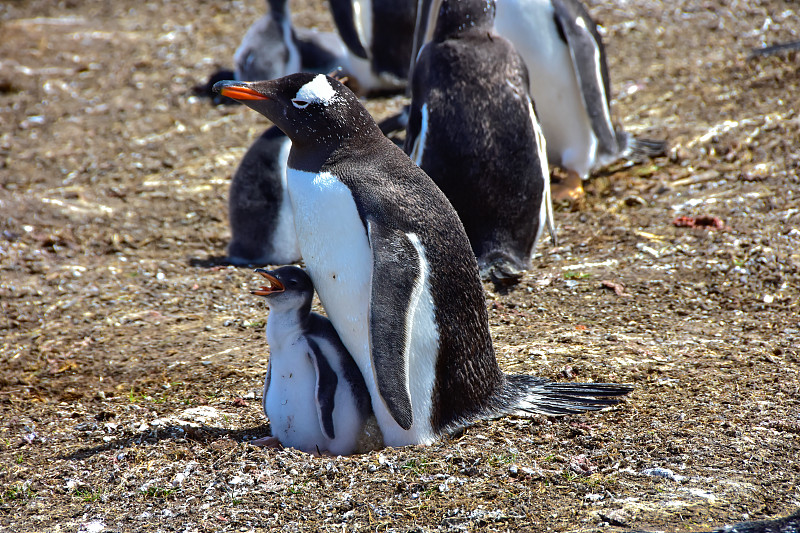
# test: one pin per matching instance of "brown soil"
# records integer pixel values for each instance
(131, 373)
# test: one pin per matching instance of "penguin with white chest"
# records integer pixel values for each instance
(472, 128)
(394, 270)
(259, 210)
(314, 394)
(379, 37)
(569, 81)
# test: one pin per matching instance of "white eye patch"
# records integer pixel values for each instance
(317, 91)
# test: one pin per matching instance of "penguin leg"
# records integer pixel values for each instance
(568, 189)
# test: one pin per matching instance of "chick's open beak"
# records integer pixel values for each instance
(274, 285)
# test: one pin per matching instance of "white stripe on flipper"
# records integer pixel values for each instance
(546, 211)
(419, 143)
(422, 347)
(598, 74)
(362, 17)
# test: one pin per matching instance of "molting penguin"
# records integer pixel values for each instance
(271, 48)
(314, 395)
(394, 270)
(379, 37)
(569, 82)
(473, 130)
(259, 209)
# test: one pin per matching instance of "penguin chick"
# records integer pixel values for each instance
(272, 48)
(259, 211)
(473, 130)
(314, 395)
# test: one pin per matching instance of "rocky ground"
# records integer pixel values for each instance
(132, 372)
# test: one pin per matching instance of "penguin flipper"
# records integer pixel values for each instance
(589, 61)
(395, 274)
(325, 389)
(541, 147)
(344, 17)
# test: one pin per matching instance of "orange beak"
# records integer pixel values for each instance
(237, 91)
(274, 286)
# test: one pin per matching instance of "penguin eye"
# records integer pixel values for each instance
(299, 104)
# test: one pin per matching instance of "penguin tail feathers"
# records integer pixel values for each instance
(629, 147)
(647, 147)
(528, 395)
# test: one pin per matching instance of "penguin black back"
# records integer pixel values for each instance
(473, 130)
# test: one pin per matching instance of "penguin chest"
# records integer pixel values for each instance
(553, 82)
(290, 401)
(336, 250)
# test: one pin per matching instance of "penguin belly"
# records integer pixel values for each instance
(259, 208)
(338, 257)
(554, 86)
(289, 402)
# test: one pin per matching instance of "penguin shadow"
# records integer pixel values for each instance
(213, 261)
(202, 434)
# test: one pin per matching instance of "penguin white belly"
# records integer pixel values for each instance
(555, 89)
(289, 402)
(338, 257)
(284, 237)
(334, 245)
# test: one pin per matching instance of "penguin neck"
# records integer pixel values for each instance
(277, 9)
(284, 327)
(312, 155)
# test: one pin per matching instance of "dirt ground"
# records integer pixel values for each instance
(132, 372)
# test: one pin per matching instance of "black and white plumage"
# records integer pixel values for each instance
(569, 80)
(272, 48)
(394, 270)
(259, 210)
(314, 394)
(472, 128)
(378, 35)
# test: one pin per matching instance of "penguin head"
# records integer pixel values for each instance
(311, 109)
(455, 16)
(289, 288)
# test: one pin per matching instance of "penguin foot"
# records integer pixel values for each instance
(267, 442)
(569, 189)
(502, 272)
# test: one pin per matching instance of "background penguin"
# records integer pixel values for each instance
(314, 395)
(394, 270)
(569, 82)
(379, 37)
(271, 48)
(259, 210)
(473, 130)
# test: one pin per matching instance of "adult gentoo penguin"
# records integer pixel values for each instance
(473, 130)
(569, 82)
(394, 269)
(259, 209)
(314, 394)
(379, 37)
